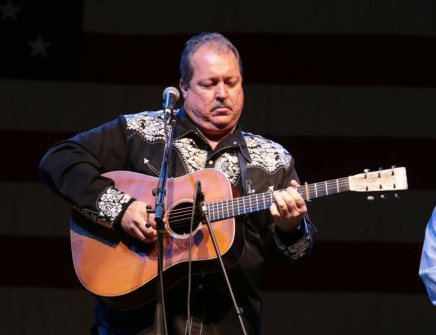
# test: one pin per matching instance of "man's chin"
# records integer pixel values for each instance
(217, 129)
(221, 127)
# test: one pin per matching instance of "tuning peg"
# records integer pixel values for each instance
(384, 196)
(370, 198)
(397, 196)
(366, 170)
(394, 166)
(380, 168)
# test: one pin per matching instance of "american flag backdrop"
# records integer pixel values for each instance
(343, 85)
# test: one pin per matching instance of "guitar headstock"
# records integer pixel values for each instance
(394, 179)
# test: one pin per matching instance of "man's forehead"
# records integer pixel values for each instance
(212, 48)
(208, 57)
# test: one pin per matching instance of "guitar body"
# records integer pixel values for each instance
(122, 270)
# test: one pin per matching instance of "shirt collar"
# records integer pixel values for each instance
(236, 139)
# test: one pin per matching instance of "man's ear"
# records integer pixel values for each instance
(183, 87)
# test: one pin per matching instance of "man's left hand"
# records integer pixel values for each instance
(289, 208)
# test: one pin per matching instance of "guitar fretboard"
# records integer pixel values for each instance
(220, 210)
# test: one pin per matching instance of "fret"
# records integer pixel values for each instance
(211, 212)
(215, 213)
(306, 187)
(314, 191)
(266, 202)
(346, 184)
(300, 191)
(320, 189)
(244, 206)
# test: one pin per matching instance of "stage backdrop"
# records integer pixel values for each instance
(343, 85)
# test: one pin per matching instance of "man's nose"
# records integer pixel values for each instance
(221, 91)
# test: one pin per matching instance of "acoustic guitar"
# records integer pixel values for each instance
(122, 270)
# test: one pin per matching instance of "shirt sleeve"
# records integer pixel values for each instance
(73, 169)
(427, 268)
(296, 245)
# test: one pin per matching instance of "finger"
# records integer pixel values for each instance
(136, 232)
(151, 221)
(297, 208)
(299, 201)
(290, 201)
(142, 229)
(145, 226)
(294, 183)
(280, 203)
(274, 210)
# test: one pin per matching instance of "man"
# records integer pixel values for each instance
(427, 268)
(207, 136)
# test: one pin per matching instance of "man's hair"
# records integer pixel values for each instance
(186, 68)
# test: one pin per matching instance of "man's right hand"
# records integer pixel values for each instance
(138, 223)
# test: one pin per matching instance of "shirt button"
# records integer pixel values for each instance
(210, 162)
(200, 287)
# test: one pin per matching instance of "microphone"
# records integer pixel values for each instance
(170, 96)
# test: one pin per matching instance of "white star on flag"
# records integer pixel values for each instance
(9, 11)
(39, 46)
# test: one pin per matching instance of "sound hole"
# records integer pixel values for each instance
(179, 219)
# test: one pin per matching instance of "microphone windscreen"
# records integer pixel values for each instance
(171, 90)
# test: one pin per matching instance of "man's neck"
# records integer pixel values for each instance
(213, 140)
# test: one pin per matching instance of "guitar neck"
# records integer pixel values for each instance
(225, 209)
(394, 179)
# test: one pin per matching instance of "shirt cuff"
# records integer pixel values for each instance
(111, 205)
(298, 248)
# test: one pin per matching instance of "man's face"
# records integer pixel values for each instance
(214, 98)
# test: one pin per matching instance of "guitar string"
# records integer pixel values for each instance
(300, 189)
(218, 207)
(179, 216)
(316, 189)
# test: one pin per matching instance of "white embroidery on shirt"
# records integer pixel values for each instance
(266, 154)
(194, 159)
(110, 203)
(150, 125)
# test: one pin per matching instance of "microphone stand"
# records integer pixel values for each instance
(160, 192)
(202, 208)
